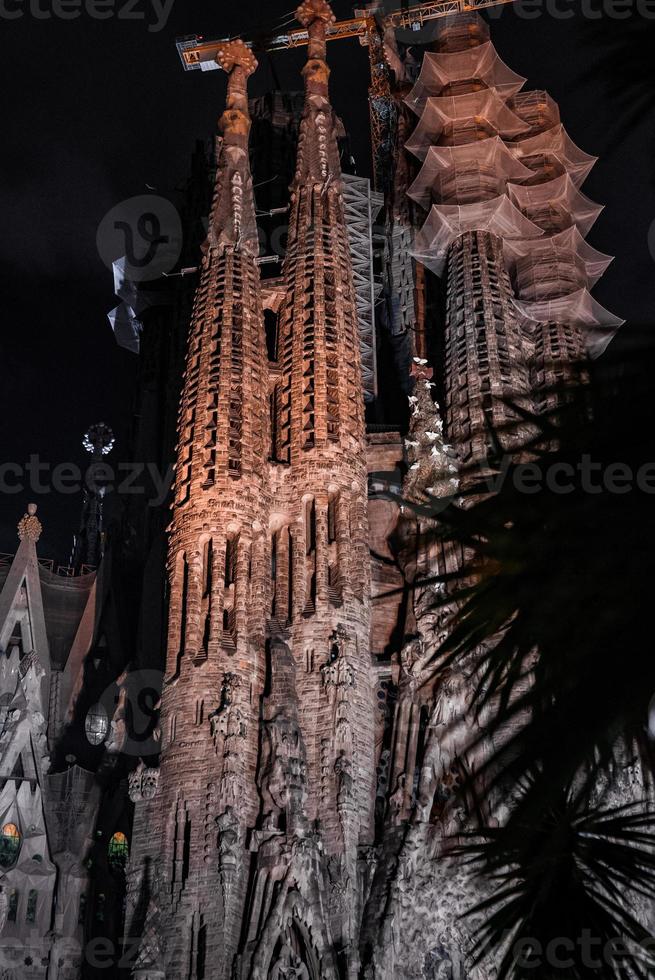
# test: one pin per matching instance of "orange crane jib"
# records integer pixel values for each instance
(197, 53)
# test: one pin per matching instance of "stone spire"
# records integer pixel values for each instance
(233, 212)
(319, 403)
(222, 423)
(321, 700)
(215, 667)
(318, 151)
(432, 466)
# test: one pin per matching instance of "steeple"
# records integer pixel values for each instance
(321, 676)
(319, 403)
(233, 213)
(215, 666)
(318, 151)
(222, 423)
(24, 650)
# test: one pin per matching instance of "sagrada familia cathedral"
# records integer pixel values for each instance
(288, 810)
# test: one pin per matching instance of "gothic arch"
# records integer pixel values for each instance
(293, 952)
(292, 930)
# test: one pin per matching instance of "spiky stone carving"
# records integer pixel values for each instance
(29, 526)
(311, 11)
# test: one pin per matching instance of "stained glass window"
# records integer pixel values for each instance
(9, 844)
(118, 851)
(96, 725)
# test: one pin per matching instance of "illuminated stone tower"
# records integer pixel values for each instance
(248, 836)
(317, 797)
(186, 893)
(504, 226)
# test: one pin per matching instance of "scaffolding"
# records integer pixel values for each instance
(362, 206)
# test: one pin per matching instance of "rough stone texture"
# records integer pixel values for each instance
(265, 792)
(413, 924)
(47, 815)
(297, 825)
(486, 364)
(188, 912)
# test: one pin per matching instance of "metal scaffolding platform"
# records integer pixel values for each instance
(362, 206)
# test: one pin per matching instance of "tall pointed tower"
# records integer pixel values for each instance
(248, 837)
(317, 772)
(321, 436)
(46, 814)
(500, 180)
(504, 226)
(183, 892)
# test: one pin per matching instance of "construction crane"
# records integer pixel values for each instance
(198, 54)
(370, 25)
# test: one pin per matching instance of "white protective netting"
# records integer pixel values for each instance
(543, 268)
(446, 222)
(579, 309)
(480, 66)
(556, 204)
(498, 160)
(460, 31)
(557, 143)
(463, 174)
(444, 117)
(537, 110)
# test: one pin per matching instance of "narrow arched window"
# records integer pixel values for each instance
(12, 908)
(96, 724)
(10, 840)
(118, 851)
(32, 902)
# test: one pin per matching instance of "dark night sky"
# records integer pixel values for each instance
(95, 110)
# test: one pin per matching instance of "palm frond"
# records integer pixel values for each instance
(564, 884)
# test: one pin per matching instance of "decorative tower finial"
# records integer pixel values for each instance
(238, 61)
(29, 526)
(315, 15)
(310, 11)
(421, 370)
(232, 221)
(318, 152)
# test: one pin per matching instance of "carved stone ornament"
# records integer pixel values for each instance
(29, 526)
(313, 10)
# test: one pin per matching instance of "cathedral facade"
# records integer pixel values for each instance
(292, 817)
